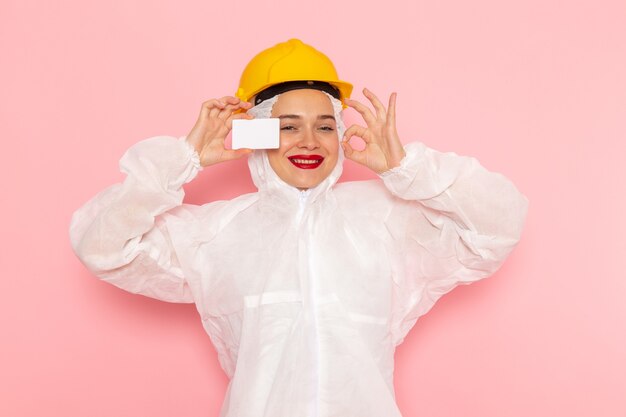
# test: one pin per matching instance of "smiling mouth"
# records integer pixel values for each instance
(306, 161)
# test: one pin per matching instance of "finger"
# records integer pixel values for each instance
(230, 100)
(213, 103)
(348, 150)
(391, 115)
(380, 109)
(215, 111)
(230, 154)
(221, 104)
(394, 143)
(391, 122)
(365, 111)
(356, 130)
(229, 121)
(231, 108)
(227, 111)
(208, 105)
(244, 107)
(353, 154)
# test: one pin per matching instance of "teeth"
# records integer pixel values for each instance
(306, 161)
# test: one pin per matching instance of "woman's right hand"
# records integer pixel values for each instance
(210, 131)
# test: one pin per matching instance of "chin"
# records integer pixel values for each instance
(304, 179)
(306, 184)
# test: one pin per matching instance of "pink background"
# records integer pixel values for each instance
(534, 89)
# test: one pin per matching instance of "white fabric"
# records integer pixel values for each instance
(307, 323)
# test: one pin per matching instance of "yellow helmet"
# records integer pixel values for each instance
(289, 61)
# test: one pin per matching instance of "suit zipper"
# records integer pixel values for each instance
(302, 197)
(312, 291)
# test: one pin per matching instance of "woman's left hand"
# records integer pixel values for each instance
(383, 149)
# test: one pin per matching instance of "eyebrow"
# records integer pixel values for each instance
(296, 116)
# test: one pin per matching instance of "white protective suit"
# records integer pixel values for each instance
(306, 322)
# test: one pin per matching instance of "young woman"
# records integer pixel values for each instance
(305, 287)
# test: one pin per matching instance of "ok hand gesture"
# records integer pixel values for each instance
(212, 127)
(383, 149)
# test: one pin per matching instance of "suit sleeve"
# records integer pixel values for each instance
(453, 222)
(121, 234)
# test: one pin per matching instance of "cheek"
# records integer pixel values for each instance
(333, 149)
(286, 142)
(274, 156)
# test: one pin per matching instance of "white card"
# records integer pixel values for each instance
(256, 133)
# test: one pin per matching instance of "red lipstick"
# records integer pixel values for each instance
(306, 161)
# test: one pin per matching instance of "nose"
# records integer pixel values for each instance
(309, 140)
